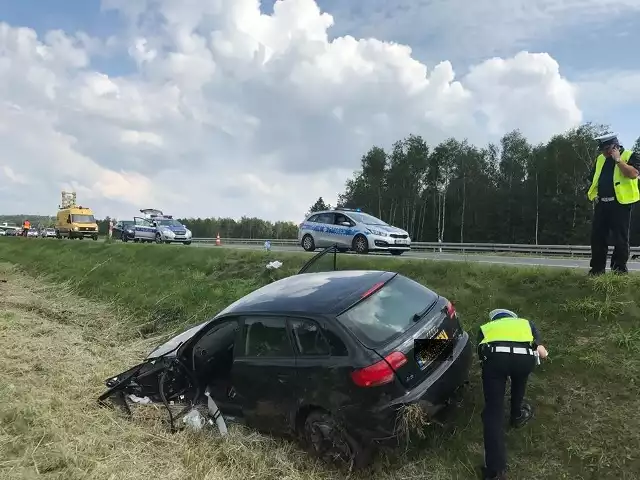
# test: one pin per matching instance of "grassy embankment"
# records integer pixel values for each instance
(96, 308)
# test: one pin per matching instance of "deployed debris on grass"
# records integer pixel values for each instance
(274, 264)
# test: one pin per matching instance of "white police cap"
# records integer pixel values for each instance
(503, 312)
(607, 138)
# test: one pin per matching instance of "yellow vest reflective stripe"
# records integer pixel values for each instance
(626, 189)
(507, 330)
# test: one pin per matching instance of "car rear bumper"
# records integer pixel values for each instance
(380, 422)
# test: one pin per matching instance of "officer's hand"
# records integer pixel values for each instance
(615, 153)
(542, 351)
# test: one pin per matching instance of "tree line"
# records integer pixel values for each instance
(509, 192)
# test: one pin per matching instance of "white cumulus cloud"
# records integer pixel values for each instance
(232, 112)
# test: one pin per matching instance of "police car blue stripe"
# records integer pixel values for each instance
(335, 230)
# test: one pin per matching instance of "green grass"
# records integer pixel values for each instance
(587, 424)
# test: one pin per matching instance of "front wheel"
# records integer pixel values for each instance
(158, 238)
(328, 440)
(361, 244)
(188, 242)
(396, 252)
(95, 237)
(308, 244)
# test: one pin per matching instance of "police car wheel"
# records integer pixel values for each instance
(360, 244)
(308, 244)
(158, 238)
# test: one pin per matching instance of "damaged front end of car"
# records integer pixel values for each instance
(163, 380)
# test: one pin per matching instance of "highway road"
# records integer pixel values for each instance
(453, 257)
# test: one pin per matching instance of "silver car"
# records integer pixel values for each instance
(351, 230)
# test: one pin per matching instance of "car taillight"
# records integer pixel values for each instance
(380, 373)
(451, 310)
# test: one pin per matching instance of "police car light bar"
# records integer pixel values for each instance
(345, 209)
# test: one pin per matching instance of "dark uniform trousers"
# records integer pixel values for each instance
(497, 367)
(615, 219)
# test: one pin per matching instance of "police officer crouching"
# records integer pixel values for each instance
(507, 347)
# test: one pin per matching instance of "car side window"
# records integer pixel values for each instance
(325, 218)
(309, 338)
(313, 218)
(266, 337)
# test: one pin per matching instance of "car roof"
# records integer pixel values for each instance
(319, 293)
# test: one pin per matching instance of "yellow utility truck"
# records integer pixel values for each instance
(75, 221)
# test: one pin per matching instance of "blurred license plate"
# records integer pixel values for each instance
(401, 241)
(432, 351)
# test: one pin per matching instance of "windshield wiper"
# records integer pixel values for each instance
(416, 317)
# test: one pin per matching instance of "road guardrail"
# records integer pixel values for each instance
(543, 250)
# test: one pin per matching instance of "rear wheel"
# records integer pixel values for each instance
(308, 244)
(361, 244)
(328, 440)
(158, 238)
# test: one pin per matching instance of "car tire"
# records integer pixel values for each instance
(361, 244)
(308, 244)
(124, 237)
(328, 440)
(396, 252)
(136, 240)
(158, 238)
(58, 236)
(95, 237)
(187, 243)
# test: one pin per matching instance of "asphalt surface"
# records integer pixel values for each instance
(452, 257)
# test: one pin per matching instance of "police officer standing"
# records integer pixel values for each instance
(507, 347)
(614, 188)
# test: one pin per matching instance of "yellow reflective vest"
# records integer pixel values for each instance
(507, 330)
(626, 189)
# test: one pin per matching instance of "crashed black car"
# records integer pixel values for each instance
(327, 356)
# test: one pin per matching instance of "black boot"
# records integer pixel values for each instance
(526, 413)
(487, 475)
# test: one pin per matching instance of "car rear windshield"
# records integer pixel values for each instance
(389, 312)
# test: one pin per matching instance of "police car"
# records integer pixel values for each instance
(351, 229)
(157, 227)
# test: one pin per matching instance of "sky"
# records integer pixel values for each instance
(228, 108)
